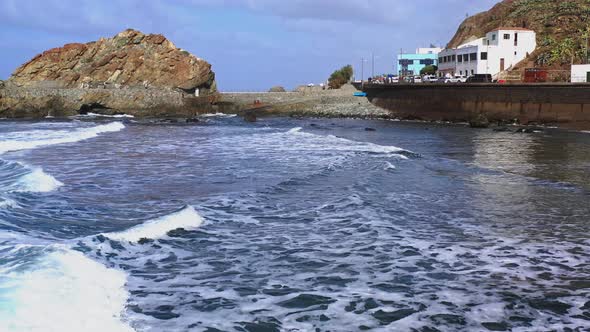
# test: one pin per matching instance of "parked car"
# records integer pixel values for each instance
(480, 78)
(416, 79)
(456, 79)
(429, 79)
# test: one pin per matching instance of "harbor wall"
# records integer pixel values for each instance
(566, 105)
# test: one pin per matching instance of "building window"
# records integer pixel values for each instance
(427, 62)
(473, 57)
(484, 56)
(506, 36)
(460, 58)
(454, 58)
(465, 57)
(440, 60)
(494, 37)
(472, 72)
(406, 62)
(461, 72)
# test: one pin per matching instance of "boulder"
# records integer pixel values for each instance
(277, 89)
(130, 58)
(479, 121)
(1, 84)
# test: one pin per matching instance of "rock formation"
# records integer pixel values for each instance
(129, 59)
(277, 89)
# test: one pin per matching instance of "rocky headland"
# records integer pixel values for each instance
(133, 73)
(146, 75)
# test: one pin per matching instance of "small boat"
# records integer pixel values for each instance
(360, 94)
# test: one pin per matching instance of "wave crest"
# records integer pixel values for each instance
(33, 139)
(186, 218)
(50, 295)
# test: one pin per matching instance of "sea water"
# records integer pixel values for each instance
(291, 225)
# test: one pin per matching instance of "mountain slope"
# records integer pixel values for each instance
(562, 29)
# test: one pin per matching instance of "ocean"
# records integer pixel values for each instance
(291, 225)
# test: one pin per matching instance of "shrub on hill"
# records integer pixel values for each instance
(340, 77)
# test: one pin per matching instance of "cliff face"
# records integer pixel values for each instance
(130, 58)
(561, 26)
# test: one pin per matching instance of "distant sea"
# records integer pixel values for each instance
(291, 225)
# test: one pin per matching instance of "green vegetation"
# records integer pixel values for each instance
(429, 70)
(340, 77)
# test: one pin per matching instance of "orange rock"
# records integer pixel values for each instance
(130, 58)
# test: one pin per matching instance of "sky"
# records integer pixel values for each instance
(251, 44)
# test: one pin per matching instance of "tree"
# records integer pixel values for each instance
(429, 70)
(340, 77)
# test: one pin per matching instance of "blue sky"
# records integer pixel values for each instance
(252, 44)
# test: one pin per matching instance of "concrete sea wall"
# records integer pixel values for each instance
(566, 105)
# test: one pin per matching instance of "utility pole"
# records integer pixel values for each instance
(362, 70)
(373, 65)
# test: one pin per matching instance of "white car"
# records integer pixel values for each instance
(417, 79)
(456, 79)
(429, 79)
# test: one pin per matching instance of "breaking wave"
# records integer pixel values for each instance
(62, 290)
(37, 181)
(33, 139)
(186, 218)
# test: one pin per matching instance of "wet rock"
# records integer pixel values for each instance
(250, 117)
(305, 301)
(386, 318)
(192, 120)
(370, 129)
(502, 129)
(144, 240)
(479, 121)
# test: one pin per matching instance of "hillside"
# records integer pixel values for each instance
(562, 27)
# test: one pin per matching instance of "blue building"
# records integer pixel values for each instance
(410, 64)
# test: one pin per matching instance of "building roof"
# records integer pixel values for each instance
(512, 28)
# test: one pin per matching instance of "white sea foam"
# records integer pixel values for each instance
(389, 166)
(220, 115)
(64, 291)
(342, 144)
(37, 181)
(33, 139)
(187, 218)
(7, 203)
(94, 115)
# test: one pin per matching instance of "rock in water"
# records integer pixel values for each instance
(130, 58)
(479, 121)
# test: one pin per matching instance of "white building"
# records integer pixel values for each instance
(428, 50)
(498, 51)
(580, 73)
